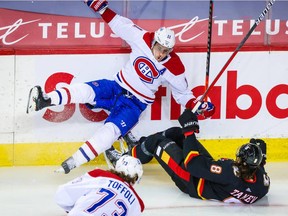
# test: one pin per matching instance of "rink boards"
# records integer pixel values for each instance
(250, 97)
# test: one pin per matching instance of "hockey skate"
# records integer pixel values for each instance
(37, 100)
(130, 140)
(67, 166)
(111, 156)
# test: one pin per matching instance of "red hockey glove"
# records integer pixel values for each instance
(97, 5)
(204, 111)
(189, 122)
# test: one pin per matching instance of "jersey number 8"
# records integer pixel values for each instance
(215, 169)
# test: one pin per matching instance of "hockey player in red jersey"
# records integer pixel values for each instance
(152, 62)
(101, 192)
(194, 170)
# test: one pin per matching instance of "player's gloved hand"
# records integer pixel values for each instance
(261, 143)
(206, 110)
(97, 5)
(189, 122)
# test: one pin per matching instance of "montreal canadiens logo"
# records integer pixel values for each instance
(146, 70)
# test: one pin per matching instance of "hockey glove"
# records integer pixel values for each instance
(206, 110)
(261, 143)
(189, 122)
(97, 5)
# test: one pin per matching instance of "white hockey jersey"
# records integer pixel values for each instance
(100, 193)
(143, 74)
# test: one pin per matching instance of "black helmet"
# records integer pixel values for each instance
(250, 155)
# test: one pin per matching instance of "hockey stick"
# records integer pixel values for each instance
(211, 6)
(260, 18)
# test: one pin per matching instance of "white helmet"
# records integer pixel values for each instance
(164, 37)
(129, 166)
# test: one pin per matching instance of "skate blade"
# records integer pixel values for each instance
(59, 170)
(33, 94)
(123, 147)
(109, 164)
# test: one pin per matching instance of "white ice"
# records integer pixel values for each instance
(29, 191)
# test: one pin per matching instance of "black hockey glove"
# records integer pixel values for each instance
(261, 143)
(189, 122)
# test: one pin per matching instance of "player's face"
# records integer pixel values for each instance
(160, 52)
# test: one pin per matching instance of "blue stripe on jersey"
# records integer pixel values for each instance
(118, 77)
(84, 154)
(149, 102)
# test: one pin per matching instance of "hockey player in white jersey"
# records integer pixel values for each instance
(151, 63)
(101, 192)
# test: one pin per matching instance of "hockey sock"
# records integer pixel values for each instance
(102, 140)
(76, 93)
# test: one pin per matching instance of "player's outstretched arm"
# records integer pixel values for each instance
(97, 5)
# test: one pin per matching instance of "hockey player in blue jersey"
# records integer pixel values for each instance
(152, 62)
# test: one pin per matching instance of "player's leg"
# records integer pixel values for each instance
(175, 134)
(103, 139)
(111, 156)
(37, 100)
(167, 153)
(91, 93)
(137, 148)
(123, 116)
(170, 157)
(76, 93)
(146, 147)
